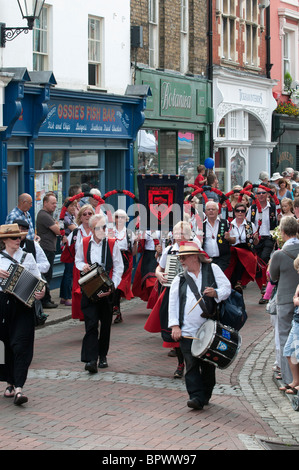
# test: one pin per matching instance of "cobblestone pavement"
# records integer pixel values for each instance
(136, 404)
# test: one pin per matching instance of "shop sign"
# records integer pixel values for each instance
(175, 99)
(87, 119)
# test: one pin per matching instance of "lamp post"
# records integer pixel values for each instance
(30, 10)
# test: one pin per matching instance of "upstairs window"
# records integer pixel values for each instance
(95, 52)
(40, 42)
(153, 13)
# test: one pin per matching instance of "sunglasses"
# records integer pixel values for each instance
(15, 238)
(240, 210)
(100, 227)
(87, 213)
(262, 192)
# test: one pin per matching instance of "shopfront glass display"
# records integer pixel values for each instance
(147, 142)
(187, 155)
(56, 170)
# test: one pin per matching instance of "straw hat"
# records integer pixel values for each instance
(190, 248)
(10, 230)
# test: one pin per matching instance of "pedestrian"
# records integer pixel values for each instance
(216, 236)
(17, 320)
(200, 179)
(21, 211)
(98, 248)
(48, 230)
(127, 243)
(291, 349)
(283, 190)
(281, 269)
(69, 224)
(185, 318)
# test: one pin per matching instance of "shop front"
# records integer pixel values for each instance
(57, 138)
(175, 136)
(286, 134)
(243, 107)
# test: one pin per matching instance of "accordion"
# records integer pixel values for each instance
(172, 268)
(95, 282)
(22, 284)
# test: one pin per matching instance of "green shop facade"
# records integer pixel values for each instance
(176, 134)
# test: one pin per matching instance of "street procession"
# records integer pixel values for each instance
(189, 265)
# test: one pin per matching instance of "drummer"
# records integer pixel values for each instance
(186, 315)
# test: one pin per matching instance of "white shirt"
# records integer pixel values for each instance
(265, 226)
(96, 257)
(193, 320)
(121, 238)
(41, 259)
(28, 263)
(210, 243)
(240, 232)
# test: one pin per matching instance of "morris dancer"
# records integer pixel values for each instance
(127, 243)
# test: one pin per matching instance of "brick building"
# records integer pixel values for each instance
(242, 90)
(169, 52)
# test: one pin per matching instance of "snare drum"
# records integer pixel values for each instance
(216, 343)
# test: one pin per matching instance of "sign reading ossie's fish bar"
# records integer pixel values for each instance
(67, 118)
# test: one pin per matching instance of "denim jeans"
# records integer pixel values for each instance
(199, 376)
(67, 281)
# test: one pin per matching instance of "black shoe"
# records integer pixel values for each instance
(103, 362)
(91, 367)
(50, 305)
(195, 404)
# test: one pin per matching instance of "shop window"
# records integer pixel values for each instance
(168, 152)
(188, 155)
(147, 144)
(221, 131)
(220, 168)
(238, 167)
(94, 52)
(58, 169)
(40, 42)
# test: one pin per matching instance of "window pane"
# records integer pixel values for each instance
(147, 151)
(188, 151)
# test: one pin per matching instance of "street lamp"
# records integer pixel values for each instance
(31, 10)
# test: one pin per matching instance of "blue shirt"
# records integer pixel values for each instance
(16, 213)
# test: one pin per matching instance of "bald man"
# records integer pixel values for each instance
(21, 211)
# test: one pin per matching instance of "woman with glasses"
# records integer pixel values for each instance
(17, 320)
(76, 236)
(127, 243)
(243, 261)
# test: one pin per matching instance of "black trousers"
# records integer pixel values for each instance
(96, 342)
(17, 326)
(200, 375)
(264, 249)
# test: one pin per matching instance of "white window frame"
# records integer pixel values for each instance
(41, 57)
(95, 53)
(153, 18)
(251, 32)
(228, 30)
(184, 61)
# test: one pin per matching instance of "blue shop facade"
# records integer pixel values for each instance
(54, 138)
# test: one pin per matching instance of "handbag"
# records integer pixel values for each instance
(271, 306)
(232, 311)
(68, 253)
